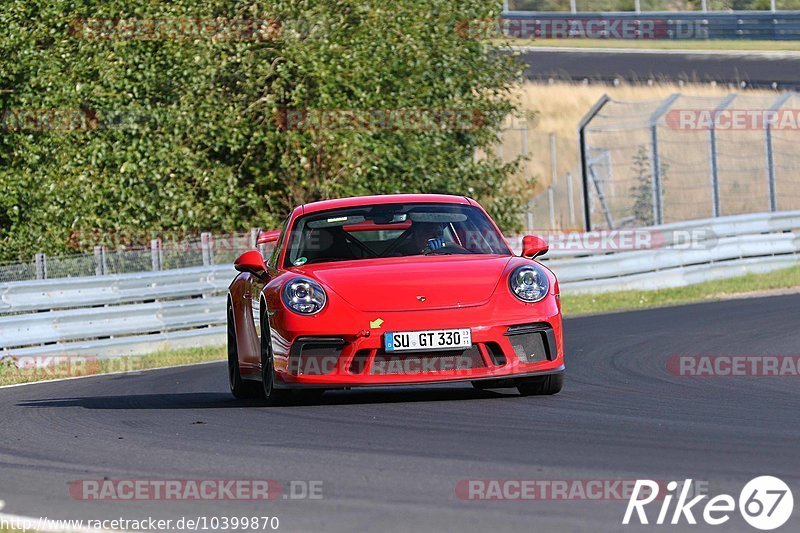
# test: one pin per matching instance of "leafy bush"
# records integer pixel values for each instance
(180, 134)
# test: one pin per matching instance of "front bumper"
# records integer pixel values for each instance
(515, 348)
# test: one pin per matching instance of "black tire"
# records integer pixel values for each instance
(241, 389)
(269, 393)
(542, 385)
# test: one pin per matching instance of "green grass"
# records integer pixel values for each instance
(654, 44)
(10, 375)
(708, 291)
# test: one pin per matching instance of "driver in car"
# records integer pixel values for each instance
(428, 237)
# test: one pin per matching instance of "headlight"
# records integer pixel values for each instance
(304, 296)
(529, 283)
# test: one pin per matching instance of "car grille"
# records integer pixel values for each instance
(421, 363)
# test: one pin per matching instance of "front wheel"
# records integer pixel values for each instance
(241, 389)
(541, 385)
(271, 395)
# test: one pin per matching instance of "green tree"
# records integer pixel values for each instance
(187, 137)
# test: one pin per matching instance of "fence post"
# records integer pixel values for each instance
(656, 169)
(100, 266)
(638, 6)
(40, 261)
(573, 6)
(524, 140)
(584, 158)
(155, 255)
(571, 201)
(712, 137)
(658, 190)
(551, 207)
(207, 245)
(553, 159)
(773, 192)
(253, 244)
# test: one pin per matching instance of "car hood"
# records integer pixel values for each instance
(412, 283)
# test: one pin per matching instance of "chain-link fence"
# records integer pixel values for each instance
(688, 157)
(650, 5)
(205, 250)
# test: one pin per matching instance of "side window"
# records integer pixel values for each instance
(273, 260)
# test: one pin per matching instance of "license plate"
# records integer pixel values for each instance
(450, 339)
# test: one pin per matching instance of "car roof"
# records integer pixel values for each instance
(326, 205)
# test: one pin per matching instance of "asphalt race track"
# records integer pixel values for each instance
(390, 460)
(758, 70)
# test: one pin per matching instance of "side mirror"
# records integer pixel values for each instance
(533, 246)
(252, 262)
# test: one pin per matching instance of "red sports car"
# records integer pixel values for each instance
(392, 290)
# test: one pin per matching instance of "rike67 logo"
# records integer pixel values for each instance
(766, 503)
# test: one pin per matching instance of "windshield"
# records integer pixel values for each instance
(395, 230)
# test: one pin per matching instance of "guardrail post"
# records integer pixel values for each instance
(100, 265)
(155, 255)
(773, 192)
(40, 261)
(206, 246)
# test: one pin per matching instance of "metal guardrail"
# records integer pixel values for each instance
(139, 313)
(718, 248)
(684, 25)
(45, 295)
(638, 6)
(114, 315)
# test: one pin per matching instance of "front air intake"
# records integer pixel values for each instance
(533, 343)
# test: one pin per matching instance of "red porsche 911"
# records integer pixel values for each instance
(392, 290)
